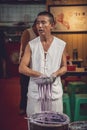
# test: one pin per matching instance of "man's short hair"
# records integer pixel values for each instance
(50, 15)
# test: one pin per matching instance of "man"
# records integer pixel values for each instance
(3, 55)
(27, 35)
(47, 56)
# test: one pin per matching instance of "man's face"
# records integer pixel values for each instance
(43, 25)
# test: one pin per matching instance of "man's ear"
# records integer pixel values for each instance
(52, 26)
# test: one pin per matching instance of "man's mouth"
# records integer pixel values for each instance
(41, 31)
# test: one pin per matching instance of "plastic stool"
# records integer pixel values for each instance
(80, 99)
(66, 105)
(75, 88)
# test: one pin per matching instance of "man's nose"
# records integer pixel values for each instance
(40, 24)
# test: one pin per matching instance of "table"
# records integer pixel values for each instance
(77, 61)
(78, 72)
(71, 76)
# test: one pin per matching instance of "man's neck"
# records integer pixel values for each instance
(46, 42)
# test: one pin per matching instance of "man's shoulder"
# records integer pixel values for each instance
(26, 31)
(35, 40)
(29, 29)
(59, 40)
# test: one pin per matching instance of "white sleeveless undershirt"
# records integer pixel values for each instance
(46, 66)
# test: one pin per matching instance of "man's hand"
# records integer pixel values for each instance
(44, 80)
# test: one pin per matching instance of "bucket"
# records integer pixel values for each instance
(49, 121)
(78, 125)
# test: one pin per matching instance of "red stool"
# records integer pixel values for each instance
(71, 79)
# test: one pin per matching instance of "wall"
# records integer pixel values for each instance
(20, 12)
(74, 40)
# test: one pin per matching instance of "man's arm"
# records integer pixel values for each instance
(63, 68)
(24, 64)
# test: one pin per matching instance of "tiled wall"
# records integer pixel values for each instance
(11, 12)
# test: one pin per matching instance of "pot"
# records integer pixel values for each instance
(78, 125)
(49, 121)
